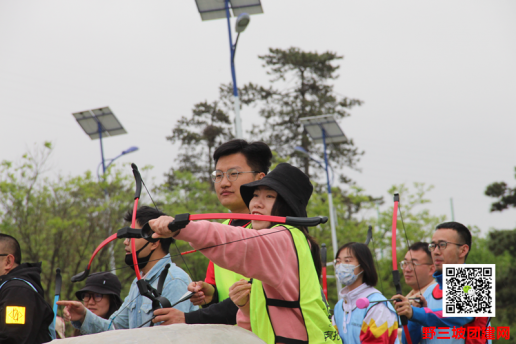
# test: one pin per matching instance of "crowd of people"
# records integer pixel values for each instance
(267, 280)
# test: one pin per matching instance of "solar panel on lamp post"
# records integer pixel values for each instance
(325, 129)
(218, 9)
(97, 123)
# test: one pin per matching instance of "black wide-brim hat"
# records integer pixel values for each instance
(289, 182)
(104, 283)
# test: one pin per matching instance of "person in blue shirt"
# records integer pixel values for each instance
(137, 309)
(451, 244)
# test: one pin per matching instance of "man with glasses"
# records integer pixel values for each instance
(418, 269)
(237, 162)
(451, 243)
(25, 316)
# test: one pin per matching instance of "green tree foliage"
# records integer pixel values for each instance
(502, 244)
(301, 87)
(505, 194)
(60, 222)
(415, 222)
(198, 137)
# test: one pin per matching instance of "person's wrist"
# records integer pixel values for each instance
(84, 312)
(245, 304)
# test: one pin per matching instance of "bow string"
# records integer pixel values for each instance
(395, 272)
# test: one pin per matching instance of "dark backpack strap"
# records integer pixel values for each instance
(162, 278)
(286, 340)
(282, 303)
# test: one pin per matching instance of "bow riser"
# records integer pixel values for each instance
(138, 179)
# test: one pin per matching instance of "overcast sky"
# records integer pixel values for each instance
(437, 78)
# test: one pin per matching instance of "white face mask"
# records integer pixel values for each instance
(346, 273)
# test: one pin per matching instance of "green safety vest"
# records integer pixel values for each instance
(225, 278)
(314, 311)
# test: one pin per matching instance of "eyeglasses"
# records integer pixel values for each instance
(96, 296)
(442, 245)
(231, 174)
(405, 264)
(4, 254)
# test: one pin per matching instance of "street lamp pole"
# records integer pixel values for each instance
(242, 9)
(325, 129)
(236, 99)
(330, 202)
(101, 147)
(95, 123)
(127, 151)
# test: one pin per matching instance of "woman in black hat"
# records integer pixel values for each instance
(101, 295)
(284, 304)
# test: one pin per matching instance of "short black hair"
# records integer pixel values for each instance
(363, 254)
(421, 246)
(11, 246)
(257, 154)
(462, 231)
(145, 214)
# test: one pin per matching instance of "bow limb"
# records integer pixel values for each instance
(395, 272)
(138, 180)
(368, 240)
(57, 293)
(369, 235)
(83, 275)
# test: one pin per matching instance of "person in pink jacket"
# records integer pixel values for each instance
(285, 303)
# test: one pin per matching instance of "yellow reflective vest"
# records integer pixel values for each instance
(315, 313)
(225, 278)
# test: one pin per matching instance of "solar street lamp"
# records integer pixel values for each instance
(218, 9)
(325, 129)
(97, 123)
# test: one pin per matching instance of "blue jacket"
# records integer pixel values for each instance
(432, 317)
(137, 309)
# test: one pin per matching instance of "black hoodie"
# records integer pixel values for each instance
(24, 314)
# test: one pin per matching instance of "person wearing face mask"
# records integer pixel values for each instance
(283, 304)
(137, 309)
(377, 323)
